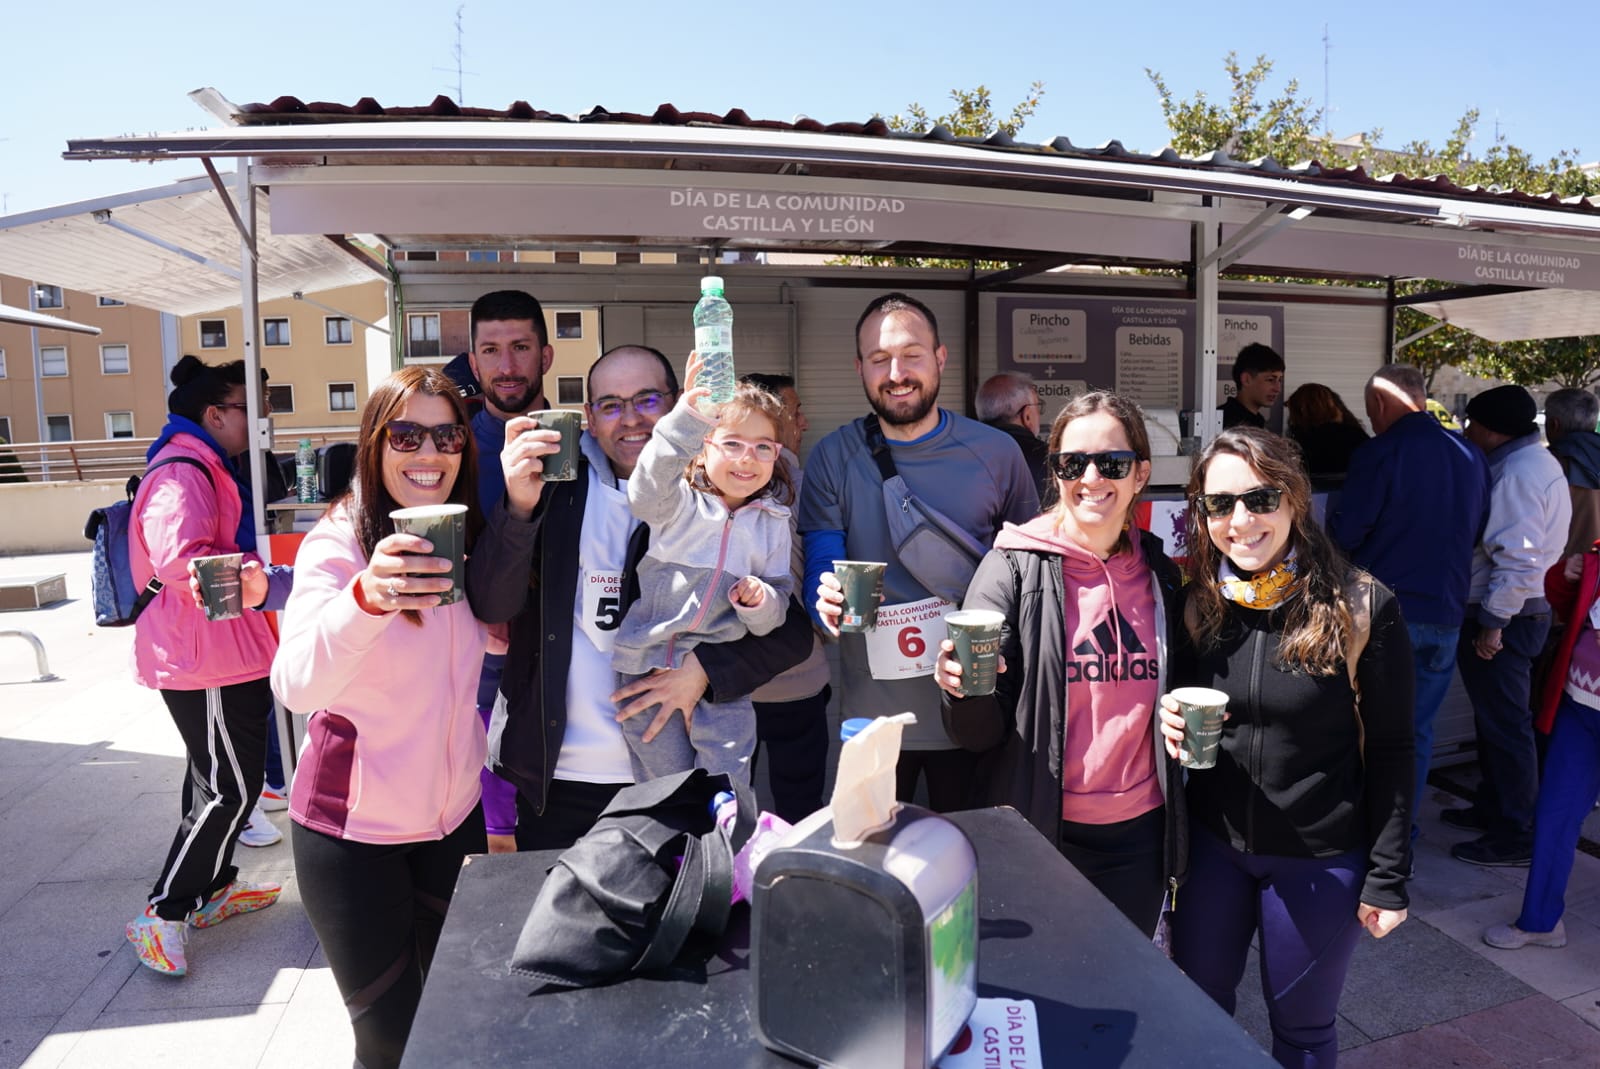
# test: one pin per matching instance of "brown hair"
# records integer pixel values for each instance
(1314, 404)
(1316, 630)
(749, 400)
(1126, 412)
(367, 499)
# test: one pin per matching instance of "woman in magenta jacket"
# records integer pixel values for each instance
(212, 675)
(385, 800)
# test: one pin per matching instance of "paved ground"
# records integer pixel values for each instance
(89, 775)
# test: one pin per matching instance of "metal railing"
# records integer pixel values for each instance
(117, 458)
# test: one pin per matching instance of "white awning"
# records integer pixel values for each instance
(1521, 315)
(26, 318)
(173, 248)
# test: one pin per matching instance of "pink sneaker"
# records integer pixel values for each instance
(240, 896)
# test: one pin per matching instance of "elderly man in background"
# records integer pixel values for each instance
(1569, 423)
(1507, 621)
(1010, 402)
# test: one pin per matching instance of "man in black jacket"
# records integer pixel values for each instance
(558, 562)
(1010, 402)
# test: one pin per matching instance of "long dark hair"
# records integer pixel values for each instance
(367, 499)
(1317, 625)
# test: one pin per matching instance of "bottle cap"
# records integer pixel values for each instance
(719, 800)
(851, 728)
(711, 284)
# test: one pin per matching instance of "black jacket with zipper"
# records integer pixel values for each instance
(1020, 728)
(1290, 778)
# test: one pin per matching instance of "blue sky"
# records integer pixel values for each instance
(97, 69)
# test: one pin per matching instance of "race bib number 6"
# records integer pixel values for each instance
(905, 643)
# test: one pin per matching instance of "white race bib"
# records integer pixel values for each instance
(602, 607)
(905, 644)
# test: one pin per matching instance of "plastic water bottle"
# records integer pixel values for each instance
(305, 471)
(713, 340)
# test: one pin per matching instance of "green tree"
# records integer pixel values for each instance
(1245, 127)
(972, 116)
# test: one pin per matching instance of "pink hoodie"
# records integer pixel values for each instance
(394, 743)
(1112, 675)
(182, 515)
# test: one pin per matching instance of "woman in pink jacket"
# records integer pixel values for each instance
(385, 800)
(212, 675)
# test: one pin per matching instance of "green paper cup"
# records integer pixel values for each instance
(862, 581)
(219, 585)
(446, 527)
(561, 466)
(1202, 724)
(976, 636)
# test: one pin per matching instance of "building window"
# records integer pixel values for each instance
(423, 332)
(114, 360)
(2, 363)
(429, 255)
(5, 428)
(336, 330)
(275, 331)
(567, 256)
(111, 302)
(48, 296)
(119, 424)
(569, 326)
(569, 390)
(213, 334)
(53, 361)
(341, 397)
(627, 257)
(483, 256)
(281, 397)
(58, 428)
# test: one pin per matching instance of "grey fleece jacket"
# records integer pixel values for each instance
(698, 551)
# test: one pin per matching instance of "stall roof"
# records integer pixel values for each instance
(173, 248)
(1518, 314)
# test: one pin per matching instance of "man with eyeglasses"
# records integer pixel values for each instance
(558, 562)
(1010, 402)
(1413, 506)
(973, 476)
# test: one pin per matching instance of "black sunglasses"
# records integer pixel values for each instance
(1260, 501)
(406, 437)
(1113, 465)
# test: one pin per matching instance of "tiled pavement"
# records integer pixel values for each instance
(89, 775)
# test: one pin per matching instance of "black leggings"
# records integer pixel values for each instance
(377, 910)
(949, 774)
(1124, 861)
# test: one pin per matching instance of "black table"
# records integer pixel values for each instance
(1103, 994)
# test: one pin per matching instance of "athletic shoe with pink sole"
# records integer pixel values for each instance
(160, 944)
(240, 896)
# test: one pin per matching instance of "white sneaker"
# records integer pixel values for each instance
(1510, 937)
(258, 830)
(273, 799)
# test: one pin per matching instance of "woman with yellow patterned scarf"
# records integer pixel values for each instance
(1301, 831)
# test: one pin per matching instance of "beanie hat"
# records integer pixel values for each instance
(1508, 410)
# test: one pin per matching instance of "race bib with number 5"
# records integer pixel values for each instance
(602, 608)
(905, 643)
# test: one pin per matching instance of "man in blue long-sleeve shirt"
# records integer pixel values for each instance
(1415, 501)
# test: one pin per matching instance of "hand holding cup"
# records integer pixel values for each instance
(1191, 724)
(947, 669)
(401, 575)
(522, 460)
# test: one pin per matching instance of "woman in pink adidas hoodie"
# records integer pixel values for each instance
(1069, 737)
(385, 798)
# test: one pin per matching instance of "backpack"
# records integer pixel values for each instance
(118, 599)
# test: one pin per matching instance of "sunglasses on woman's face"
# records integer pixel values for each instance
(406, 437)
(1260, 501)
(1113, 465)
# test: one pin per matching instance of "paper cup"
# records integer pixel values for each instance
(976, 636)
(561, 466)
(219, 585)
(862, 581)
(1202, 724)
(446, 527)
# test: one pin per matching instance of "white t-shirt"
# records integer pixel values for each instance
(593, 750)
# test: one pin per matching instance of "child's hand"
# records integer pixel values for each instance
(693, 393)
(748, 592)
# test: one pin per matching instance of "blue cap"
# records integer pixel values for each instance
(851, 728)
(721, 799)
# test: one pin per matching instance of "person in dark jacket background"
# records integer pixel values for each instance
(1301, 832)
(1326, 431)
(1010, 402)
(1569, 423)
(1069, 736)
